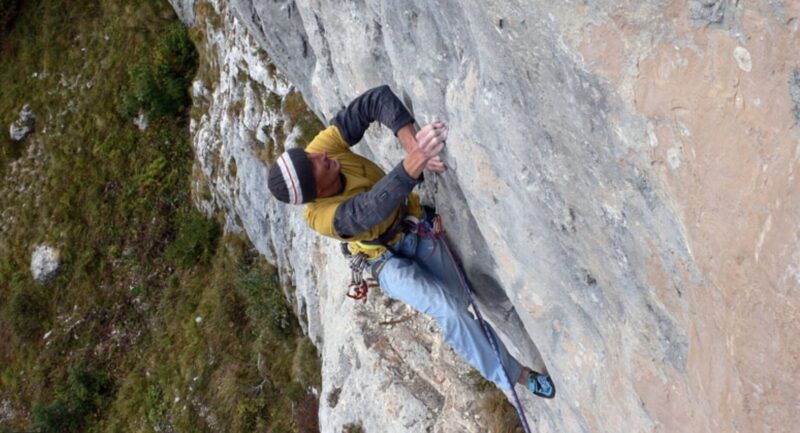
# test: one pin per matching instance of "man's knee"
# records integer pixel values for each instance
(453, 315)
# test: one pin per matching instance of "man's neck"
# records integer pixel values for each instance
(334, 189)
(342, 182)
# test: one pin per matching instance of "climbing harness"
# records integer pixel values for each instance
(359, 286)
(437, 232)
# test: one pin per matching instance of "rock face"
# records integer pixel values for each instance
(622, 191)
(45, 262)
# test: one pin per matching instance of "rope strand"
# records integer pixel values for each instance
(438, 233)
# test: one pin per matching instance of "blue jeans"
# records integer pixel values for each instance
(420, 273)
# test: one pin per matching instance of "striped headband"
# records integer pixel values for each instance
(291, 179)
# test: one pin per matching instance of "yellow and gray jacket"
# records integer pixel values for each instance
(370, 201)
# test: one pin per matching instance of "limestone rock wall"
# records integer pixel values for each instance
(621, 189)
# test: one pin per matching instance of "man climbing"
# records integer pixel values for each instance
(349, 198)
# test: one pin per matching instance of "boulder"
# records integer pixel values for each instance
(23, 125)
(45, 263)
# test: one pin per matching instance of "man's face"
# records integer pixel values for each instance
(326, 173)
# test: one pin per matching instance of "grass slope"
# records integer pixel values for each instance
(156, 321)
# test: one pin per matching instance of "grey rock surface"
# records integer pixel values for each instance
(794, 85)
(141, 122)
(45, 263)
(621, 190)
(23, 126)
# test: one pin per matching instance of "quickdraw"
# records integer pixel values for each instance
(358, 291)
(359, 287)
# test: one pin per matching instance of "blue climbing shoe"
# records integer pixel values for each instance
(541, 385)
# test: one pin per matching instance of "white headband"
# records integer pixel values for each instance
(290, 178)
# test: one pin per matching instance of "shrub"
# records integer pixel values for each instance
(8, 13)
(155, 405)
(498, 413)
(266, 304)
(196, 238)
(28, 308)
(85, 392)
(159, 86)
(478, 382)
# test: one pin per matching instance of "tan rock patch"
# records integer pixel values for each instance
(722, 115)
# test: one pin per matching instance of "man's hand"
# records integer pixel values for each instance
(436, 165)
(439, 130)
(431, 139)
(425, 153)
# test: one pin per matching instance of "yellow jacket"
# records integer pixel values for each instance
(360, 175)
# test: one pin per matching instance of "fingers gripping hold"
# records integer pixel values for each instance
(431, 139)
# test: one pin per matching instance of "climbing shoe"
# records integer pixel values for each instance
(541, 385)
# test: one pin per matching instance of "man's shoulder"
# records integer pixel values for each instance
(321, 204)
(328, 140)
(320, 213)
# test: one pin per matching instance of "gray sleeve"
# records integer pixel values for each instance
(378, 103)
(364, 211)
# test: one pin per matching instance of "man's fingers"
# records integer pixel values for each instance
(422, 132)
(434, 161)
(434, 150)
(443, 132)
(431, 141)
(432, 133)
(428, 128)
(426, 136)
(433, 137)
(431, 144)
(436, 165)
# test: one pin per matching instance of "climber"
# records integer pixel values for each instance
(349, 198)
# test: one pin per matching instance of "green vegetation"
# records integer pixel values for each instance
(159, 84)
(83, 394)
(300, 116)
(8, 12)
(157, 320)
(499, 415)
(195, 241)
(265, 299)
(353, 427)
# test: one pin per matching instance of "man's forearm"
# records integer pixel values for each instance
(414, 163)
(407, 136)
(363, 211)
